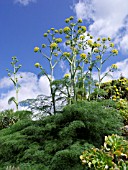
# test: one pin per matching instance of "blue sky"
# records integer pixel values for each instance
(23, 23)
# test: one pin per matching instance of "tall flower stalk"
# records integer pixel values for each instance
(103, 52)
(14, 78)
(53, 59)
(73, 32)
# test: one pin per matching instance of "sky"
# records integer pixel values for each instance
(23, 23)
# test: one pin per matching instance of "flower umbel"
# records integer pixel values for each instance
(115, 51)
(53, 46)
(66, 30)
(66, 75)
(83, 55)
(36, 49)
(37, 65)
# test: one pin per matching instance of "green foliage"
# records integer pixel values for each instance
(99, 120)
(43, 143)
(9, 117)
(113, 155)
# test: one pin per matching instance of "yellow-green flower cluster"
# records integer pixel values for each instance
(86, 61)
(79, 21)
(104, 39)
(109, 39)
(37, 65)
(96, 50)
(67, 20)
(36, 49)
(55, 54)
(43, 45)
(67, 42)
(66, 54)
(53, 46)
(58, 40)
(111, 44)
(98, 57)
(83, 55)
(83, 28)
(45, 34)
(60, 31)
(66, 30)
(126, 88)
(90, 42)
(114, 66)
(115, 51)
(66, 75)
(67, 37)
(71, 17)
(114, 98)
(56, 31)
(82, 37)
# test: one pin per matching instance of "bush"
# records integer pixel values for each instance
(113, 155)
(97, 119)
(42, 143)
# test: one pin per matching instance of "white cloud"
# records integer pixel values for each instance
(31, 87)
(24, 2)
(108, 18)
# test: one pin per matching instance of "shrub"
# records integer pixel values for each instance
(97, 120)
(113, 155)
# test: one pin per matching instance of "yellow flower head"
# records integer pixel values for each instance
(113, 97)
(45, 34)
(104, 39)
(60, 31)
(58, 40)
(82, 37)
(91, 37)
(66, 75)
(36, 49)
(114, 66)
(111, 44)
(96, 50)
(83, 55)
(37, 65)
(115, 51)
(66, 30)
(56, 31)
(53, 46)
(98, 57)
(55, 54)
(126, 89)
(43, 45)
(90, 42)
(79, 21)
(66, 54)
(86, 61)
(98, 39)
(83, 28)
(98, 45)
(67, 42)
(71, 18)
(109, 39)
(67, 36)
(67, 20)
